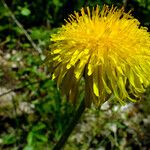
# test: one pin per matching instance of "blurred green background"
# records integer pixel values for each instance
(33, 114)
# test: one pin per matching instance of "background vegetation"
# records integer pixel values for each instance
(33, 114)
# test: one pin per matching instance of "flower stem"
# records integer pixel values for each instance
(70, 127)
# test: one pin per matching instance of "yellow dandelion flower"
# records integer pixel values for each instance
(108, 49)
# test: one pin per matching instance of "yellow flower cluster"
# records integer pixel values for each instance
(108, 49)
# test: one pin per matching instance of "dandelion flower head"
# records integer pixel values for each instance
(108, 49)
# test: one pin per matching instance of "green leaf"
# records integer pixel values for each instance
(25, 11)
(41, 137)
(28, 147)
(38, 127)
(30, 138)
(9, 139)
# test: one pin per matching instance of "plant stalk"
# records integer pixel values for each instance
(70, 127)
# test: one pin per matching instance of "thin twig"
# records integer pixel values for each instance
(21, 87)
(3, 43)
(21, 27)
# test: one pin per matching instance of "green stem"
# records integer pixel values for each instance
(70, 127)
